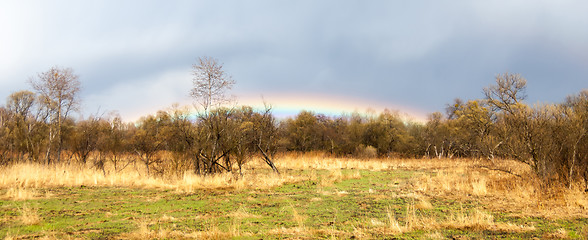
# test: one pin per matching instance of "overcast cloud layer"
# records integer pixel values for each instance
(135, 57)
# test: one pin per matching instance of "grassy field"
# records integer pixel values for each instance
(314, 197)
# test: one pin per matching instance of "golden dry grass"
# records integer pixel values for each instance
(502, 185)
(20, 181)
(503, 191)
(476, 220)
(145, 232)
(242, 213)
(152, 230)
(298, 218)
(320, 162)
(18, 193)
(29, 215)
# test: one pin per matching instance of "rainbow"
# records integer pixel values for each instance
(289, 105)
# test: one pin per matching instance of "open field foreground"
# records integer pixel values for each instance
(314, 197)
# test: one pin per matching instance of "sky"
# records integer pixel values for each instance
(135, 57)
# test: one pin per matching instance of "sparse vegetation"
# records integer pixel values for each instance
(488, 168)
(38, 127)
(315, 196)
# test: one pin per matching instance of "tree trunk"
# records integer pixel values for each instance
(268, 160)
(48, 154)
(574, 159)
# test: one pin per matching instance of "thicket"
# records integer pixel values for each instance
(551, 138)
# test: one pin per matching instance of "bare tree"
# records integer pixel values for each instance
(85, 138)
(114, 143)
(575, 114)
(147, 141)
(59, 89)
(508, 92)
(215, 135)
(210, 83)
(20, 108)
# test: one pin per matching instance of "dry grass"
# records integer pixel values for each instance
(299, 230)
(22, 180)
(190, 182)
(325, 162)
(152, 230)
(30, 175)
(479, 220)
(306, 233)
(144, 232)
(423, 203)
(29, 216)
(502, 191)
(298, 218)
(242, 213)
(502, 186)
(17, 193)
(476, 220)
(393, 224)
(319, 162)
(335, 176)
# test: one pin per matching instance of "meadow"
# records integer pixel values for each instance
(314, 197)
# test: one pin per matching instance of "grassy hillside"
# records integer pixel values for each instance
(315, 197)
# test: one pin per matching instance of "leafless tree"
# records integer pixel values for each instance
(509, 91)
(147, 141)
(115, 142)
(574, 112)
(20, 108)
(210, 83)
(59, 89)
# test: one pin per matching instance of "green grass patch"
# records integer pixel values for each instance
(347, 205)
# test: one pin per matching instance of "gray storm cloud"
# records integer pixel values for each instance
(417, 54)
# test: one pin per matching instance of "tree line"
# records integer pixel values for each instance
(38, 126)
